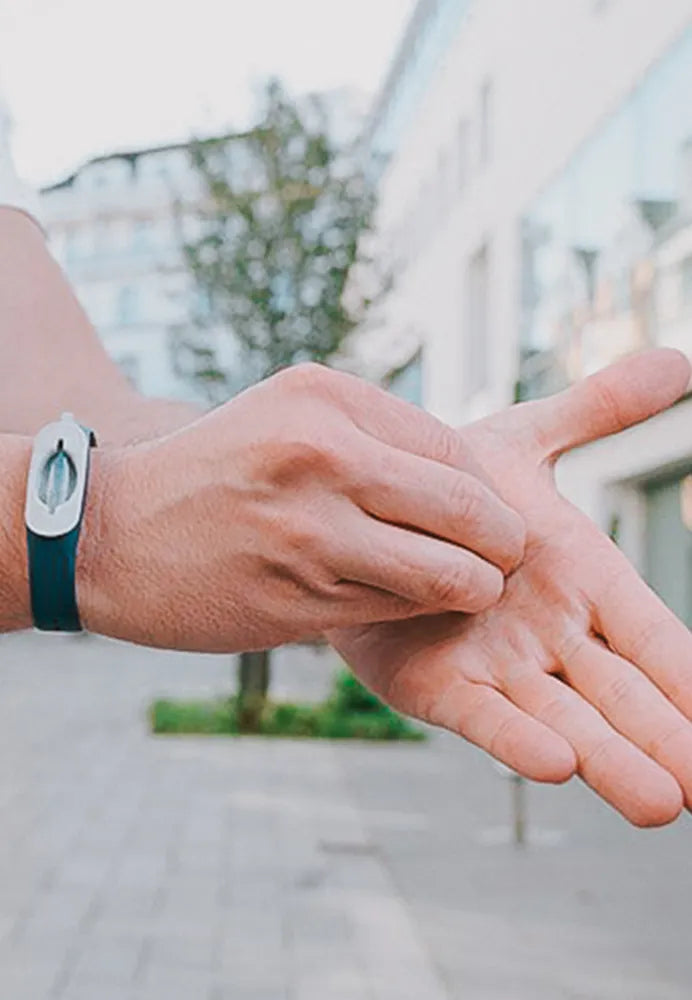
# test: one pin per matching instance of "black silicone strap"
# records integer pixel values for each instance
(52, 564)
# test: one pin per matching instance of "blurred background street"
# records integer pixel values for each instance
(139, 867)
(526, 175)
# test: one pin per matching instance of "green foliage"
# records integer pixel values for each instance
(352, 712)
(281, 246)
(350, 695)
(207, 717)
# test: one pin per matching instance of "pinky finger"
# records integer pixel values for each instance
(485, 717)
(488, 719)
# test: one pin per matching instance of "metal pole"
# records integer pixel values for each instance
(518, 792)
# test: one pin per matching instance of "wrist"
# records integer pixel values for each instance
(96, 572)
(15, 605)
(144, 419)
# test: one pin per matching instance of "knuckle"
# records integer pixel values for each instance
(321, 455)
(447, 446)
(618, 692)
(505, 737)
(594, 755)
(450, 585)
(647, 637)
(304, 555)
(571, 648)
(660, 745)
(465, 498)
(486, 586)
(554, 710)
(303, 542)
(307, 456)
(519, 536)
(306, 377)
(606, 403)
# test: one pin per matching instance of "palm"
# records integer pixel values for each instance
(579, 667)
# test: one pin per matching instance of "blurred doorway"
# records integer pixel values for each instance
(669, 542)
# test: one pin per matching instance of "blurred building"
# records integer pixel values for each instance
(117, 226)
(535, 171)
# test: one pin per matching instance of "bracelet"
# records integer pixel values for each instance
(55, 497)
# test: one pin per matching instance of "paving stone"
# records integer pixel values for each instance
(186, 949)
(259, 870)
(19, 981)
(245, 992)
(106, 962)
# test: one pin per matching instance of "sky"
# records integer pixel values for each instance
(85, 77)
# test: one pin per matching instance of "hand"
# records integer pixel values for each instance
(580, 666)
(311, 501)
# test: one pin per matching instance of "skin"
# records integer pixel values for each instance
(290, 510)
(573, 610)
(42, 327)
(296, 507)
(579, 668)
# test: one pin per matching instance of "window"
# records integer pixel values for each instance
(127, 306)
(486, 123)
(416, 64)
(629, 172)
(141, 237)
(476, 326)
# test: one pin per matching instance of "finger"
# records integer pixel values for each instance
(486, 718)
(611, 400)
(415, 492)
(637, 624)
(360, 605)
(622, 774)
(634, 706)
(426, 571)
(417, 668)
(400, 424)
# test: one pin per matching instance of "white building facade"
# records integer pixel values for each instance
(535, 172)
(118, 226)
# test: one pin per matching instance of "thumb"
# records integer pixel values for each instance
(624, 394)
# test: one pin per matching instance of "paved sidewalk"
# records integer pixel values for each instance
(134, 868)
(157, 869)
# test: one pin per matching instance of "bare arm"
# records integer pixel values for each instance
(51, 360)
(273, 518)
(50, 356)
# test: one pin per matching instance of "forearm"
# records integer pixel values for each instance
(50, 356)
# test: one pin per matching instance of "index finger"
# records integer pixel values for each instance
(402, 425)
(428, 496)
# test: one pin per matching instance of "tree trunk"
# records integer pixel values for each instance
(253, 677)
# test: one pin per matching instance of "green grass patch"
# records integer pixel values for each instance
(351, 712)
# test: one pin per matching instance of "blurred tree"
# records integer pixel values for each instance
(281, 263)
